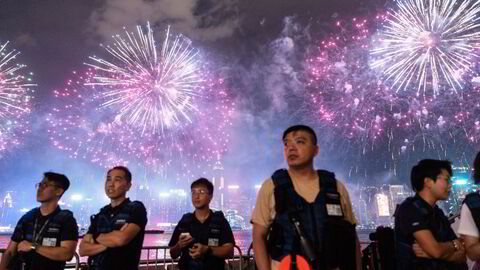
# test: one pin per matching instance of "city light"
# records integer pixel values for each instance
(258, 186)
(164, 194)
(461, 182)
(76, 197)
(233, 187)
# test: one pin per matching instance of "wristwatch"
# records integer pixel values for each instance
(455, 245)
(209, 251)
(33, 247)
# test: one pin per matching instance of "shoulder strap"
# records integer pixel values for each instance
(472, 200)
(186, 218)
(217, 218)
(282, 186)
(30, 215)
(327, 181)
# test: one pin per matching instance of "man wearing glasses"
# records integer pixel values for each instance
(115, 237)
(45, 237)
(424, 237)
(203, 238)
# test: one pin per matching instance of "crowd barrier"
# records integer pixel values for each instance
(158, 258)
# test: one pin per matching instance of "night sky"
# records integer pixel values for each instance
(243, 39)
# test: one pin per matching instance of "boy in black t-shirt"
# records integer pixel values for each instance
(45, 237)
(202, 238)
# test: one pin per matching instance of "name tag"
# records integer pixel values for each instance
(53, 230)
(213, 242)
(120, 222)
(49, 242)
(334, 210)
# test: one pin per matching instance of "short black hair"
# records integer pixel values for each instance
(301, 128)
(203, 182)
(430, 168)
(128, 174)
(476, 169)
(60, 180)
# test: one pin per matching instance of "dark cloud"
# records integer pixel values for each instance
(197, 19)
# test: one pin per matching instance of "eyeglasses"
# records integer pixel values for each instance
(200, 192)
(44, 185)
(447, 179)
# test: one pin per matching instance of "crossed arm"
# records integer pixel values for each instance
(62, 253)
(428, 247)
(88, 246)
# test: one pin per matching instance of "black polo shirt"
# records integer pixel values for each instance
(215, 231)
(49, 230)
(113, 218)
(415, 214)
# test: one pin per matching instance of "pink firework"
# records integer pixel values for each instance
(349, 98)
(84, 129)
(16, 90)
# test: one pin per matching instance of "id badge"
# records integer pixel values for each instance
(213, 242)
(334, 210)
(49, 242)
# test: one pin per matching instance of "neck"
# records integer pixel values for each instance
(46, 208)
(425, 195)
(117, 201)
(302, 173)
(202, 213)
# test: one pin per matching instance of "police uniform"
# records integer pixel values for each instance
(332, 239)
(113, 218)
(415, 214)
(47, 231)
(214, 232)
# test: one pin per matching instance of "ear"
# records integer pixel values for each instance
(317, 150)
(428, 182)
(129, 185)
(59, 192)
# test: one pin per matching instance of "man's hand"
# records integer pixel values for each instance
(124, 227)
(198, 250)
(24, 246)
(184, 240)
(419, 252)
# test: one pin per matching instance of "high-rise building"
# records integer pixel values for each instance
(218, 181)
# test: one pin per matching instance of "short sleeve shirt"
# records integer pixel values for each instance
(203, 233)
(264, 211)
(113, 218)
(49, 230)
(415, 214)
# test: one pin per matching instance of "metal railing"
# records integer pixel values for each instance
(68, 265)
(158, 257)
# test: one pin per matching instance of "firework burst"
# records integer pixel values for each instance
(94, 120)
(150, 86)
(348, 100)
(16, 89)
(428, 44)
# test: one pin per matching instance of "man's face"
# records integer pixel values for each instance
(200, 197)
(442, 186)
(48, 191)
(116, 184)
(299, 149)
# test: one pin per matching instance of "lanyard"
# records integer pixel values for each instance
(36, 236)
